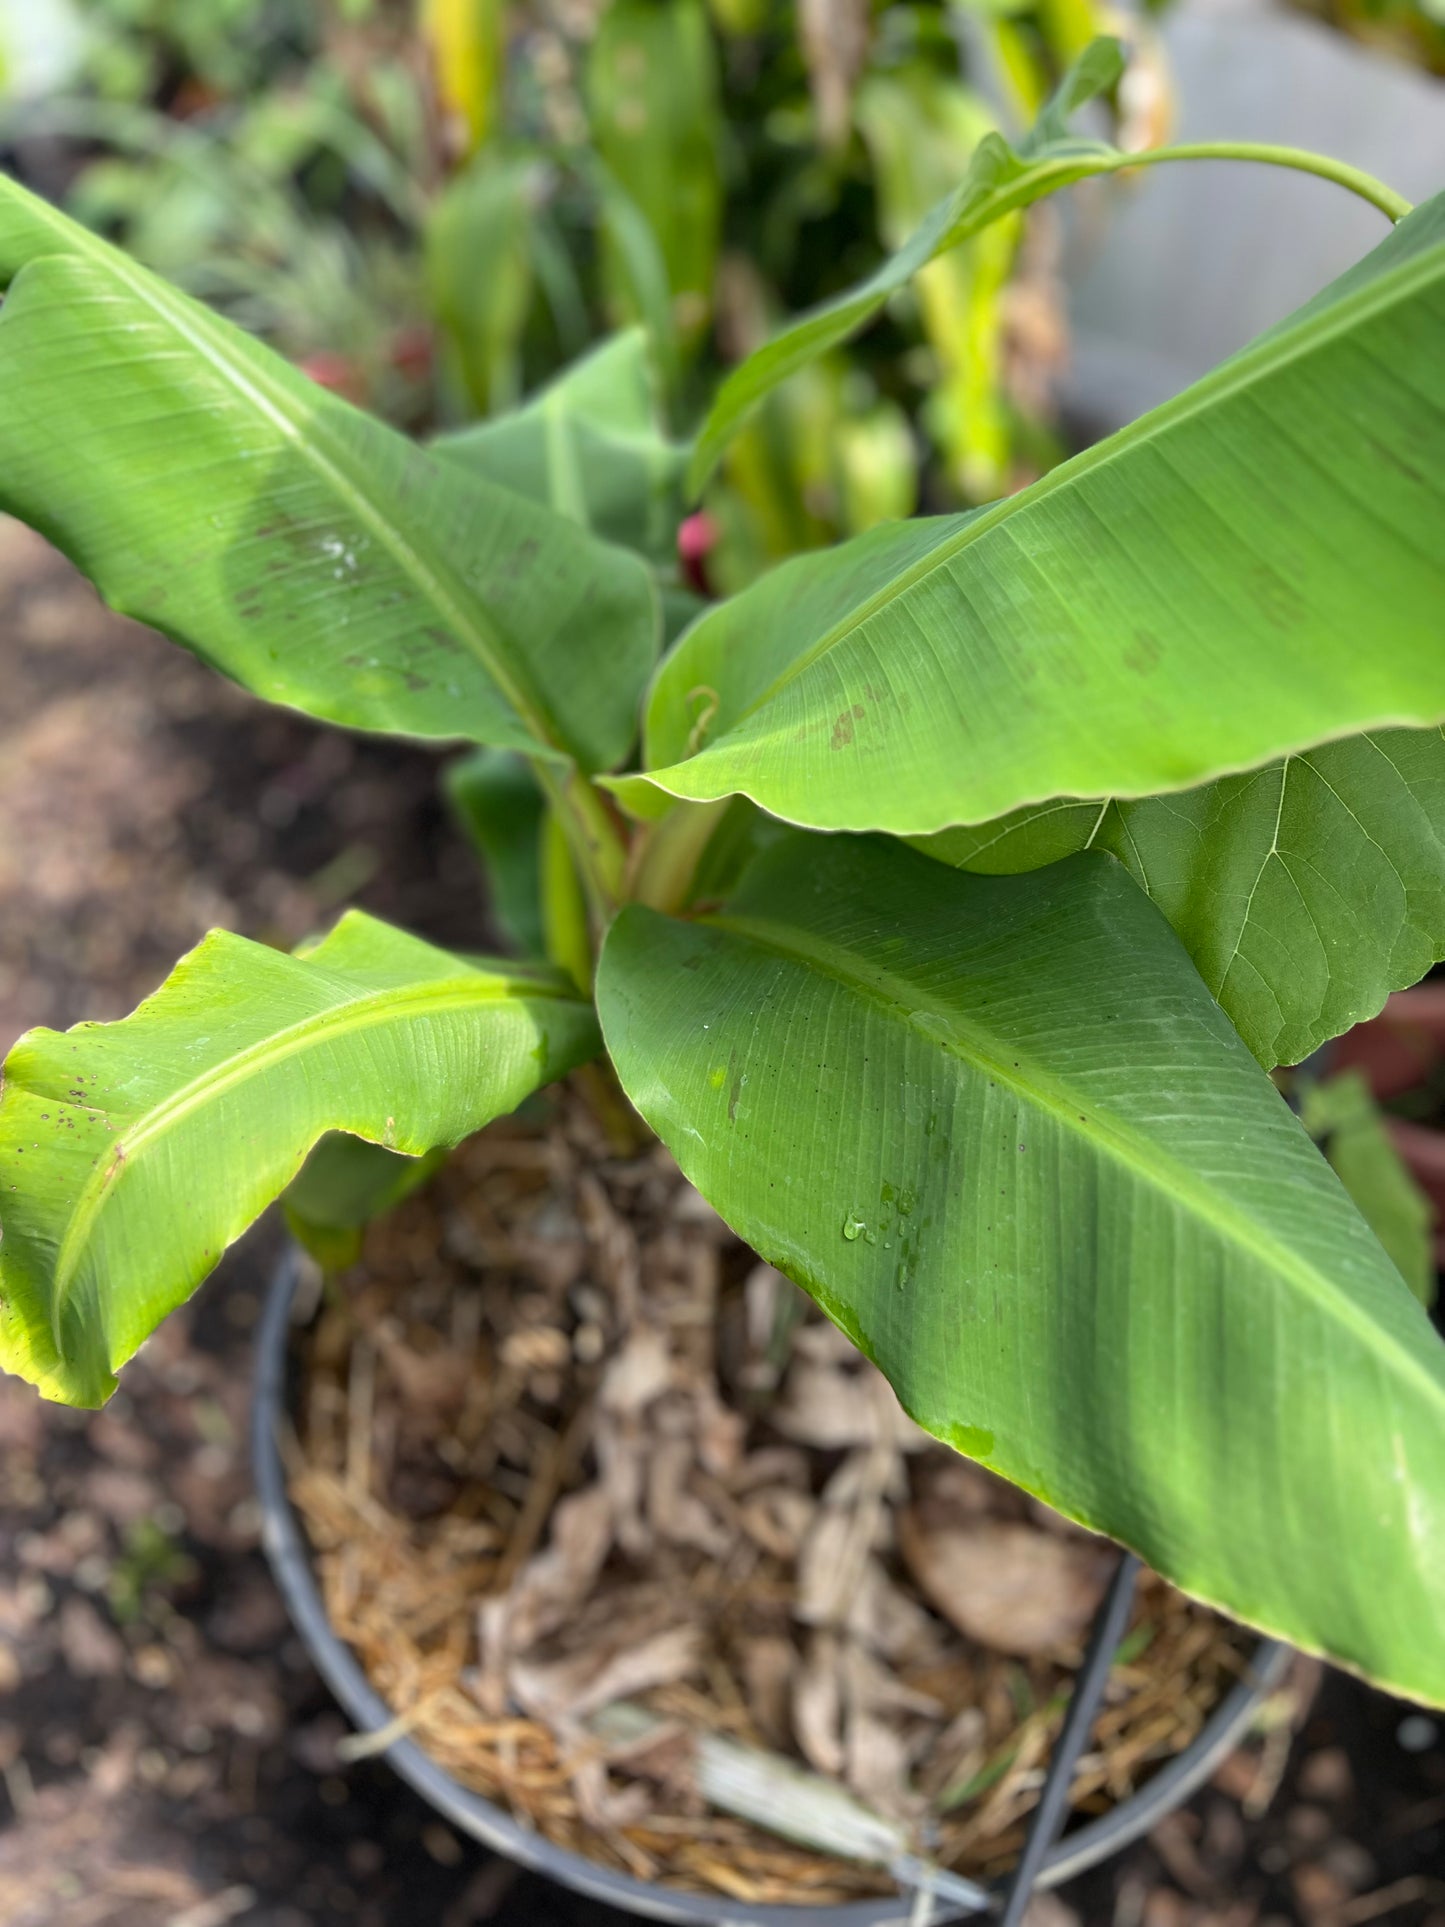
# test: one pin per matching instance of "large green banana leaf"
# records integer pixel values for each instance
(313, 554)
(589, 446)
(1305, 892)
(1253, 568)
(999, 178)
(998, 1128)
(132, 1154)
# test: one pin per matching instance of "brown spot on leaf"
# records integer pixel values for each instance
(843, 727)
(519, 559)
(1395, 460)
(1280, 603)
(1144, 654)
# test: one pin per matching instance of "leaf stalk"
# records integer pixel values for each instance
(667, 856)
(1394, 205)
(593, 836)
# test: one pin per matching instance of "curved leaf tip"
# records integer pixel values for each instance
(133, 1153)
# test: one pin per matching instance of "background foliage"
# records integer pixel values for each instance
(432, 208)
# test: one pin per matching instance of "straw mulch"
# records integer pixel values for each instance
(565, 1442)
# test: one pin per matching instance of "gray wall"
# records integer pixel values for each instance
(1194, 259)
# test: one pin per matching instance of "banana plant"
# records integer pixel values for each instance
(967, 883)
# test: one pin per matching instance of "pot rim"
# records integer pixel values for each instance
(289, 1556)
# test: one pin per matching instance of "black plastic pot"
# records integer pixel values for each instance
(290, 1559)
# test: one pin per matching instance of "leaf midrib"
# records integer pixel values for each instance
(433, 998)
(319, 450)
(1070, 155)
(1233, 377)
(901, 998)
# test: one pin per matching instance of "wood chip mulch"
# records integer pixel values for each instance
(567, 1443)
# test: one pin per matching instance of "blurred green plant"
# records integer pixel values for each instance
(1342, 1116)
(1411, 29)
(837, 125)
(273, 156)
(143, 49)
(434, 204)
(149, 1565)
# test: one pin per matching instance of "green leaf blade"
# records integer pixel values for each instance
(132, 1154)
(306, 550)
(589, 447)
(1305, 892)
(1006, 1139)
(1249, 570)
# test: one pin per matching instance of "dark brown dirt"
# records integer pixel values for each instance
(167, 1756)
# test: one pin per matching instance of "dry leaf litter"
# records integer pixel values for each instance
(566, 1443)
